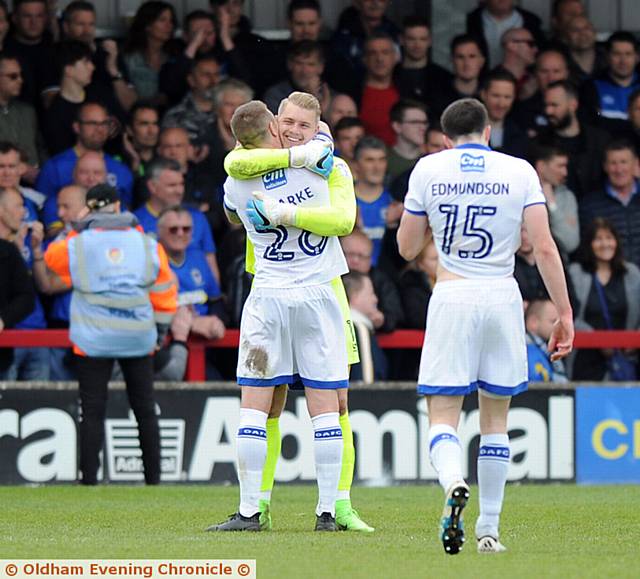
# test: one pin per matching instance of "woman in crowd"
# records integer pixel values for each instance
(607, 289)
(146, 46)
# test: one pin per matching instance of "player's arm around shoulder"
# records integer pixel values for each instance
(339, 217)
(243, 163)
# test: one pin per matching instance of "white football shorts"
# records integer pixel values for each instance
(475, 338)
(290, 335)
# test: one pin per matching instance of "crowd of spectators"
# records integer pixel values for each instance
(150, 114)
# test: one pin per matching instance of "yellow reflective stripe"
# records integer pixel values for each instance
(82, 265)
(161, 287)
(162, 318)
(119, 303)
(111, 323)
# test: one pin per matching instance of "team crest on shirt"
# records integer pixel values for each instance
(112, 179)
(196, 276)
(275, 179)
(115, 255)
(471, 163)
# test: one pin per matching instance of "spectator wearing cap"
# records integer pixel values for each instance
(121, 310)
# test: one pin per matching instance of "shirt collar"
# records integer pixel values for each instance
(474, 146)
(615, 195)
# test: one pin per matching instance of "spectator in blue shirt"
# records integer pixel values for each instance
(376, 208)
(16, 225)
(165, 182)
(200, 304)
(92, 129)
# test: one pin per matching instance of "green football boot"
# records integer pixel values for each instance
(348, 519)
(264, 506)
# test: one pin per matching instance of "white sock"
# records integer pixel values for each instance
(493, 465)
(445, 454)
(251, 446)
(327, 448)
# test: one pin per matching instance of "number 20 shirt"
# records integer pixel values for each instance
(286, 256)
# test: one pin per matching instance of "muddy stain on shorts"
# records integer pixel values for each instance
(257, 360)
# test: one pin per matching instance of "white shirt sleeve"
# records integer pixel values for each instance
(414, 201)
(228, 196)
(533, 193)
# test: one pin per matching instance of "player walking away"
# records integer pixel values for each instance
(291, 328)
(475, 200)
(298, 123)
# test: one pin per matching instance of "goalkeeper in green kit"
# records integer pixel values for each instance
(305, 146)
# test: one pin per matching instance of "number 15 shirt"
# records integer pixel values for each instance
(474, 199)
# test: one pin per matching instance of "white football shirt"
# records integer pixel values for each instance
(286, 256)
(474, 198)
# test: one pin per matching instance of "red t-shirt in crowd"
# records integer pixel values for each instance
(374, 112)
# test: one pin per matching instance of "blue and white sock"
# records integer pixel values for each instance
(445, 454)
(251, 446)
(327, 448)
(493, 466)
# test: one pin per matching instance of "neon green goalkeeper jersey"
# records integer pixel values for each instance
(336, 219)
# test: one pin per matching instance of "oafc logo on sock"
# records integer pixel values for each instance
(495, 451)
(328, 433)
(275, 179)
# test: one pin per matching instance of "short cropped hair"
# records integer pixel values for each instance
(396, 114)
(619, 145)
(159, 164)
(347, 123)
(498, 75)
(68, 52)
(195, 15)
(568, 87)
(547, 152)
(463, 117)
(368, 142)
(303, 5)
(621, 36)
(305, 48)
(304, 100)
(179, 209)
(250, 123)
(77, 6)
(231, 85)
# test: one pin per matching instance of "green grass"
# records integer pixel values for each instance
(551, 531)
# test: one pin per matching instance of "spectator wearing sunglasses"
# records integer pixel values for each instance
(200, 304)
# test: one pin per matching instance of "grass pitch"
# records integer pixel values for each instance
(550, 531)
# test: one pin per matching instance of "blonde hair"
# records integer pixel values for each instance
(304, 100)
(250, 123)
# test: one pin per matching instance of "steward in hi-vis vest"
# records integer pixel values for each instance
(124, 296)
